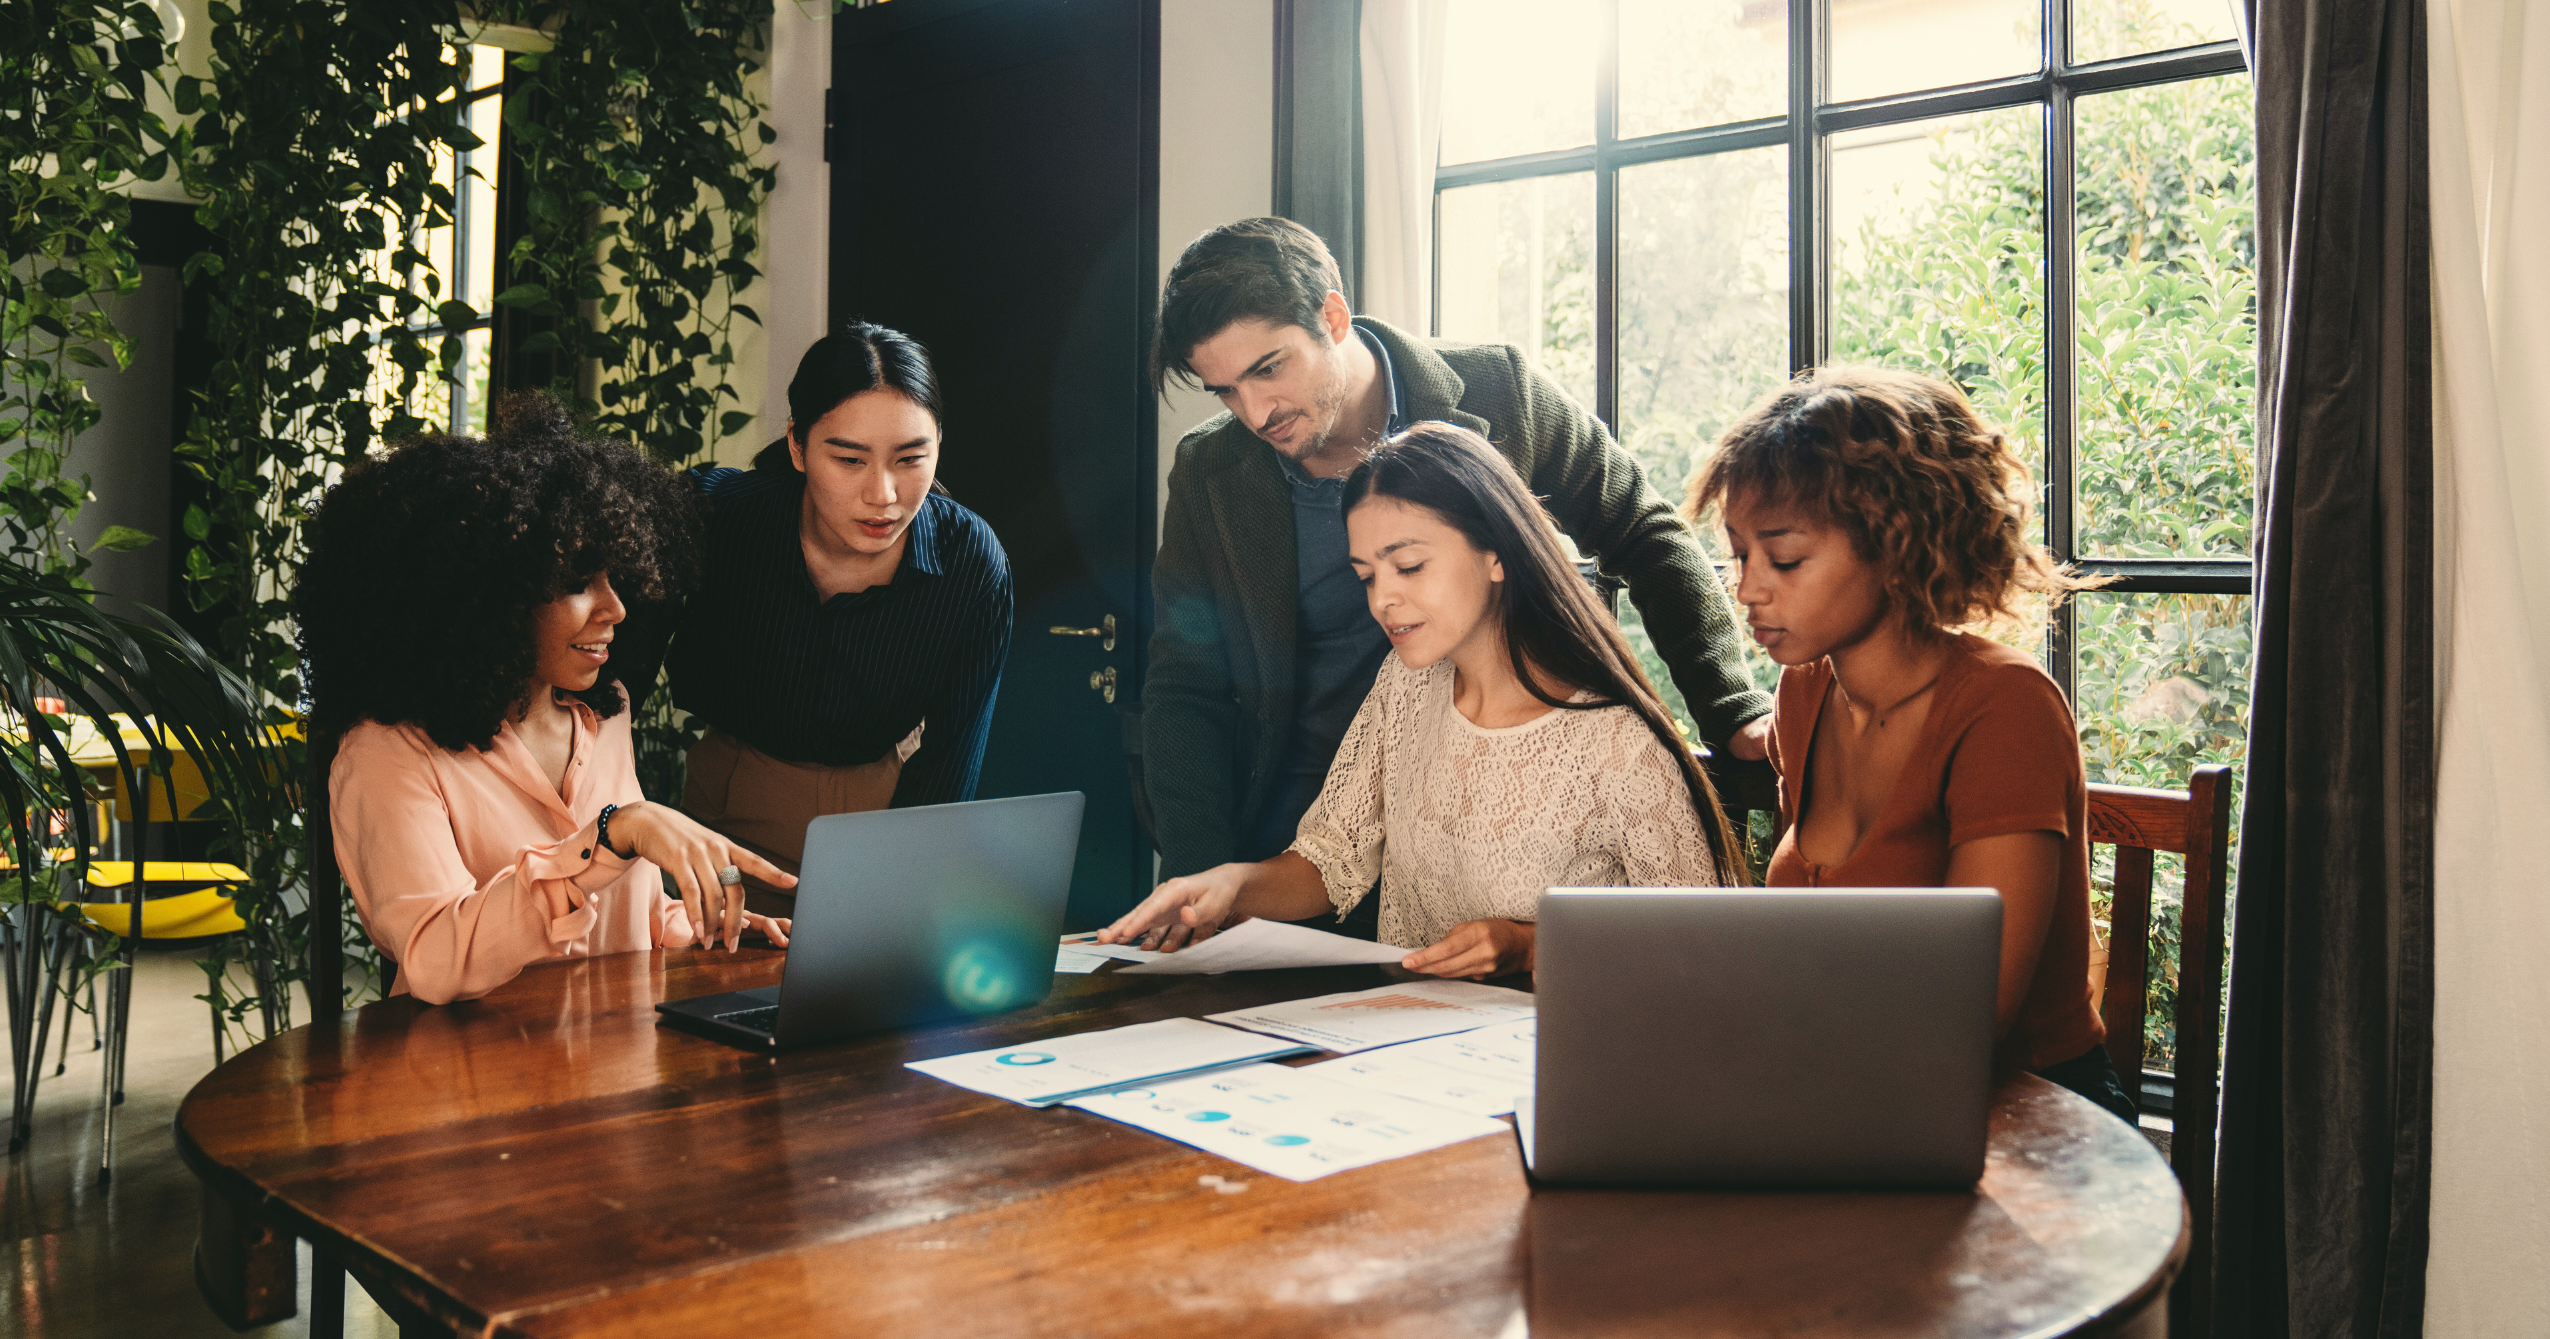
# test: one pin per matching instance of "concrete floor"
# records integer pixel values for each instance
(78, 1259)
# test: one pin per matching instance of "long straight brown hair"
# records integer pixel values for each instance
(1553, 623)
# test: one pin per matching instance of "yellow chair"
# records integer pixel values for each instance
(182, 902)
(198, 914)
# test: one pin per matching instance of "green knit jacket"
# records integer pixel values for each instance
(1218, 700)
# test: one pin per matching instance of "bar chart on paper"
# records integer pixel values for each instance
(1290, 1122)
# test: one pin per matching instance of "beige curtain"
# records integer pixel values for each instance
(1402, 55)
(2488, 1269)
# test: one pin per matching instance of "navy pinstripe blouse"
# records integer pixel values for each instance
(841, 681)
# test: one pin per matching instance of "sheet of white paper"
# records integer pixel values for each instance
(1481, 1071)
(1042, 1073)
(1359, 1020)
(1088, 943)
(1077, 962)
(1257, 945)
(1290, 1123)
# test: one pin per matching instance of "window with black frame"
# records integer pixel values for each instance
(1673, 204)
(463, 256)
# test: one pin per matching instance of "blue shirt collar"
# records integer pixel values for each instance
(1394, 421)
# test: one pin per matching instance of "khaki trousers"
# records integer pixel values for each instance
(764, 803)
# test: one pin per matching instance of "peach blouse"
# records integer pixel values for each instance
(469, 866)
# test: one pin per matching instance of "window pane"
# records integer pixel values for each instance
(1880, 47)
(1518, 77)
(2108, 29)
(1684, 65)
(2164, 687)
(1938, 260)
(1516, 266)
(486, 66)
(1704, 290)
(2167, 321)
(1704, 285)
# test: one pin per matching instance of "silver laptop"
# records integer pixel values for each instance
(908, 916)
(1796, 1037)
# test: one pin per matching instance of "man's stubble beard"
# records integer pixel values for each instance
(1326, 404)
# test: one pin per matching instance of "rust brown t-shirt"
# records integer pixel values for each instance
(1997, 755)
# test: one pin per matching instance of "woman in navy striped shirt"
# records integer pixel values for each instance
(846, 643)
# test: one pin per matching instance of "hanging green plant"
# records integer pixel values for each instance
(633, 148)
(76, 131)
(638, 148)
(312, 154)
(642, 197)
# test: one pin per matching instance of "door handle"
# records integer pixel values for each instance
(1103, 683)
(1105, 632)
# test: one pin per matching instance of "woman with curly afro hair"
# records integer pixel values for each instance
(1874, 518)
(457, 612)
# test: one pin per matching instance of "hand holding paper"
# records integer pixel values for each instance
(1258, 945)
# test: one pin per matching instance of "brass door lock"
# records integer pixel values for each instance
(1105, 632)
(1103, 682)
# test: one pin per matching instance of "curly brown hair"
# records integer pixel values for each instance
(428, 567)
(1900, 462)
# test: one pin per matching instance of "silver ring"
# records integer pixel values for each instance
(729, 877)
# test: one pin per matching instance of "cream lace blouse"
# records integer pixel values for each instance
(1460, 822)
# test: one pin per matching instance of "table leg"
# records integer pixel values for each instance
(244, 1267)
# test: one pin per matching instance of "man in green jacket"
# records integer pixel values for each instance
(1263, 649)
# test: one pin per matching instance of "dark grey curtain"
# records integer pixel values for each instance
(2328, 1052)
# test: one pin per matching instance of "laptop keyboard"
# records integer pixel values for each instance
(765, 1019)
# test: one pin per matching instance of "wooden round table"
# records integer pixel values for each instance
(547, 1161)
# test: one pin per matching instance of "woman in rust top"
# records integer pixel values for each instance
(1873, 517)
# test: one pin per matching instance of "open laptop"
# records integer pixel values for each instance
(1796, 1037)
(908, 916)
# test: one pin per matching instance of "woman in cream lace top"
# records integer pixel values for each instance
(1510, 744)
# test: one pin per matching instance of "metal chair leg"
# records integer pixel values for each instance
(327, 1296)
(62, 1061)
(106, 1096)
(119, 1030)
(16, 974)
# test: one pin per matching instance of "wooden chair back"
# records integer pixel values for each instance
(2194, 823)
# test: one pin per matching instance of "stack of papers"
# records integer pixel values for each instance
(1293, 1123)
(1359, 1020)
(1083, 954)
(1260, 945)
(1481, 1071)
(1043, 1073)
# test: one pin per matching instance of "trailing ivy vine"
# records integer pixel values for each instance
(76, 131)
(643, 198)
(313, 154)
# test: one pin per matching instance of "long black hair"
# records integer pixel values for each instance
(861, 356)
(1552, 623)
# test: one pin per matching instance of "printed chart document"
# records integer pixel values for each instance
(1069, 959)
(1041, 1073)
(1086, 943)
(1481, 1071)
(1257, 945)
(1359, 1020)
(1291, 1123)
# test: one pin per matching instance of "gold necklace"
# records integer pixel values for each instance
(1888, 713)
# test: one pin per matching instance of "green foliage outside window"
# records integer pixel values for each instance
(2167, 331)
(1947, 276)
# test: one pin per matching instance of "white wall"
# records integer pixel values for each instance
(1217, 147)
